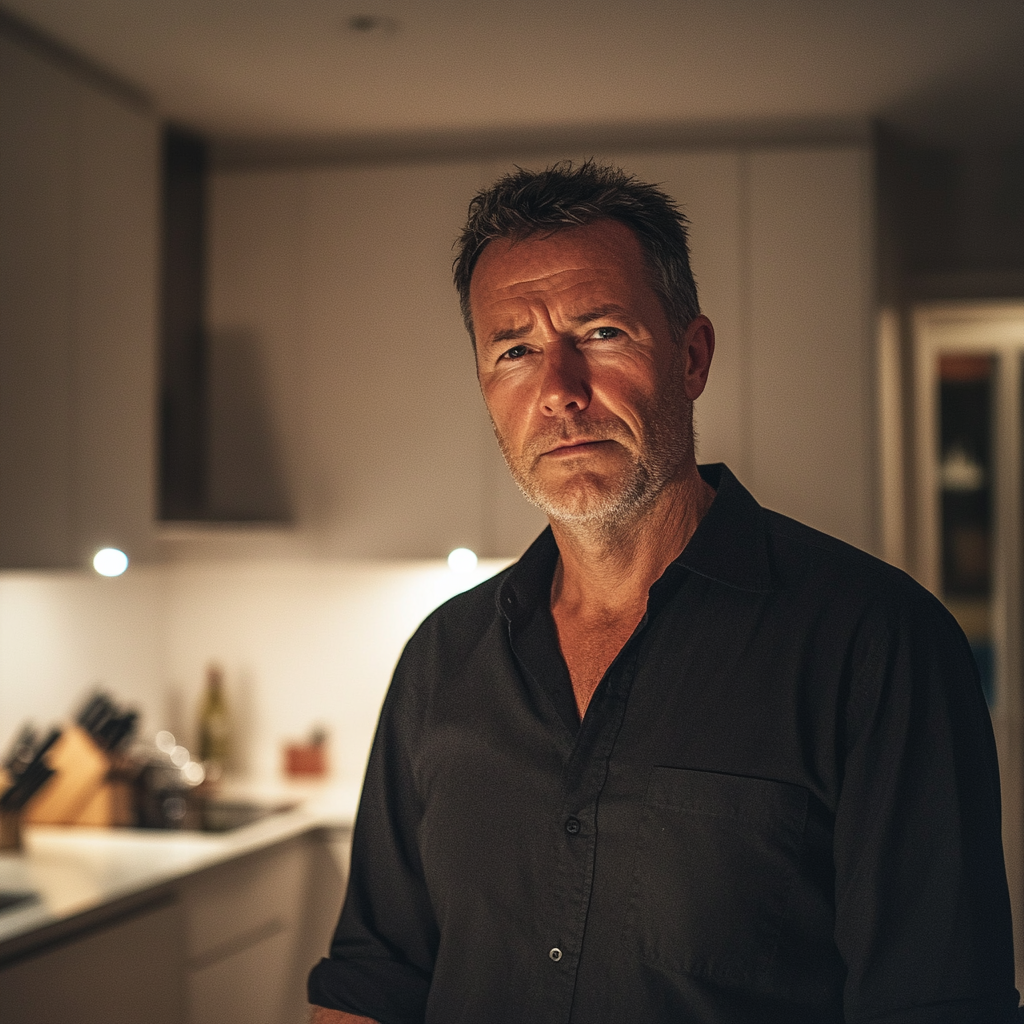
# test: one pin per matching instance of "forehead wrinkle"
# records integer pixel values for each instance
(599, 312)
(542, 282)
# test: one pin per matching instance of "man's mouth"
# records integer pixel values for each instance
(582, 446)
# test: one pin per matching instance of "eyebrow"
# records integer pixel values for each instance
(597, 313)
(509, 334)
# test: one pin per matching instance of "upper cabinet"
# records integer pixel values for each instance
(339, 371)
(342, 381)
(78, 274)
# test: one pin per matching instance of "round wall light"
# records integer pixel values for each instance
(110, 562)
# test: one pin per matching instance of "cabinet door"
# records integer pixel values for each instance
(37, 118)
(113, 444)
(334, 287)
(243, 919)
(244, 986)
(811, 321)
(125, 972)
(78, 205)
(329, 852)
(706, 185)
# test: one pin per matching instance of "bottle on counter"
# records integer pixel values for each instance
(214, 725)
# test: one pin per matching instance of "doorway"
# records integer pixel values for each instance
(969, 508)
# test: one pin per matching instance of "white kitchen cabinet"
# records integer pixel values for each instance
(781, 243)
(242, 920)
(254, 928)
(810, 311)
(708, 185)
(337, 282)
(128, 970)
(244, 985)
(79, 174)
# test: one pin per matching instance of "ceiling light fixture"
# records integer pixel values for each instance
(371, 24)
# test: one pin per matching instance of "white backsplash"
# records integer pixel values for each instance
(302, 642)
(63, 633)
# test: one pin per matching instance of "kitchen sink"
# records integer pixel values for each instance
(227, 815)
(174, 812)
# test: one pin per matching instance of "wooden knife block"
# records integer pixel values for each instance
(81, 792)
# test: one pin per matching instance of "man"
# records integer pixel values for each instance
(687, 760)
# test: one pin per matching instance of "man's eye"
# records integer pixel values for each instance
(516, 352)
(604, 333)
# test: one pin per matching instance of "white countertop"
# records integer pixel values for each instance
(75, 870)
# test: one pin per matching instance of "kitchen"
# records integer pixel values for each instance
(371, 477)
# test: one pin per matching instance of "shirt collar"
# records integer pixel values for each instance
(730, 546)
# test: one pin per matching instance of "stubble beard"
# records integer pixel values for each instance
(606, 503)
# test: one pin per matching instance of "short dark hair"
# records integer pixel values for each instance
(524, 202)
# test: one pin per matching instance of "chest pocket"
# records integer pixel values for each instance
(717, 859)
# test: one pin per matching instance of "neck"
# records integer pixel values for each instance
(614, 566)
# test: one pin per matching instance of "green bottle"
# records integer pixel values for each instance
(214, 725)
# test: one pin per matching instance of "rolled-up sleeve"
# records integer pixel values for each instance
(382, 954)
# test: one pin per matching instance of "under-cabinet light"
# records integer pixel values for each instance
(462, 560)
(110, 562)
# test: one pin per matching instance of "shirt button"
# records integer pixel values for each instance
(572, 826)
(555, 954)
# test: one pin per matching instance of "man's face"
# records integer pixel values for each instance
(589, 393)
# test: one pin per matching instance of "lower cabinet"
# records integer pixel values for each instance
(128, 970)
(254, 928)
(246, 985)
(231, 944)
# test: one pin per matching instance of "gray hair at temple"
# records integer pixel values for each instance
(523, 203)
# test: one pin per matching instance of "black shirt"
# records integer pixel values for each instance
(782, 804)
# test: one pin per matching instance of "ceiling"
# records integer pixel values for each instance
(290, 70)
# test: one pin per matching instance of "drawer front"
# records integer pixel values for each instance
(248, 985)
(244, 901)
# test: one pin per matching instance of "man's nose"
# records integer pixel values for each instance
(565, 386)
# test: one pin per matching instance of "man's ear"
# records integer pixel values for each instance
(698, 349)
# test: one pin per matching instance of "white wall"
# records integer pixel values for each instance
(302, 642)
(63, 633)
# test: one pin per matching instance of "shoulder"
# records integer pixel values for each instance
(877, 612)
(753, 549)
(458, 633)
(463, 620)
(802, 557)
(900, 642)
